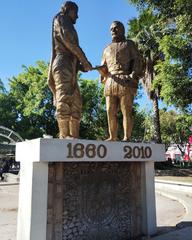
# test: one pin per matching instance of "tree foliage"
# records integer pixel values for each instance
(175, 127)
(173, 21)
(177, 10)
(35, 113)
(145, 32)
(8, 112)
(2, 87)
(27, 107)
(94, 120)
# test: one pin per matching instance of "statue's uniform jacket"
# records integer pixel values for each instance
(121, 59)
(64, 65)
(122, 62)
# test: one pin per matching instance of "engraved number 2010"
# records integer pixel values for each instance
(79, 150)
(137, 152)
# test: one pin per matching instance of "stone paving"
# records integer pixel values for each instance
(179, 192)
(181, 234)
(169, 213)
(8, 211)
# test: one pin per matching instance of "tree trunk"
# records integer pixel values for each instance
(147, 82)
(156, 120)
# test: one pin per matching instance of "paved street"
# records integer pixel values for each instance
(8, 212)
(169, 212)
(179, 192)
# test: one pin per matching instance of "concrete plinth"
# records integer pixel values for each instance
(78, 189)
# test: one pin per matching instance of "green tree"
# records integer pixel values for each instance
(174, 21)
(183, 126)
(2, 87)
(175, 127)
(35, 112)
(138, 131)
(94, 119)
(27, 107)
(149, 128)
(145, 32)
(176, 86)
(178, 11)
(8, 112)
(168, 126)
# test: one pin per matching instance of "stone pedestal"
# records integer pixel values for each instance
(86, 190)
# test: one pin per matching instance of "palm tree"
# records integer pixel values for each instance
(145, 32)
(2, 87)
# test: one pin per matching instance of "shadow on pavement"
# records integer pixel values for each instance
(167, 229)
(184, 224)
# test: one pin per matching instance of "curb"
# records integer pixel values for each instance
(180, 193)
(174, 186)
(8, 183)
(187, 184)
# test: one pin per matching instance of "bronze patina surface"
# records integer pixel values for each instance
(67, 59)
(120, 71)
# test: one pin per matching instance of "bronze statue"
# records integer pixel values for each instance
(67, 59)
(120, 71)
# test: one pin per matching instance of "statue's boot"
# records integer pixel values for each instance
(63, 128)
(74, 128)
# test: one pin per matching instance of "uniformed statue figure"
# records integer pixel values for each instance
(67, 59)
(120, 70)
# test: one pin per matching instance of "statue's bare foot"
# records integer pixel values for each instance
(126, 139)
(71, 137)
(67, 137)
(63, 137)
(110, 139)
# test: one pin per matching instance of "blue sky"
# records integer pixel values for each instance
(26, 31)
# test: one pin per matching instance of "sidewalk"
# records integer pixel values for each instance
(171, 212)
(181, 192)
(182, 234)
(8, 211)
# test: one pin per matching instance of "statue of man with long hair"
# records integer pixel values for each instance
(67, 59)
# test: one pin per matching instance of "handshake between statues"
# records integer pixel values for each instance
(119, 70)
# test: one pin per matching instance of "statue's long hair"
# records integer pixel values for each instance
(67, 6)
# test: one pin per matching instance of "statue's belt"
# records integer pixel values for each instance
(124, 80)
